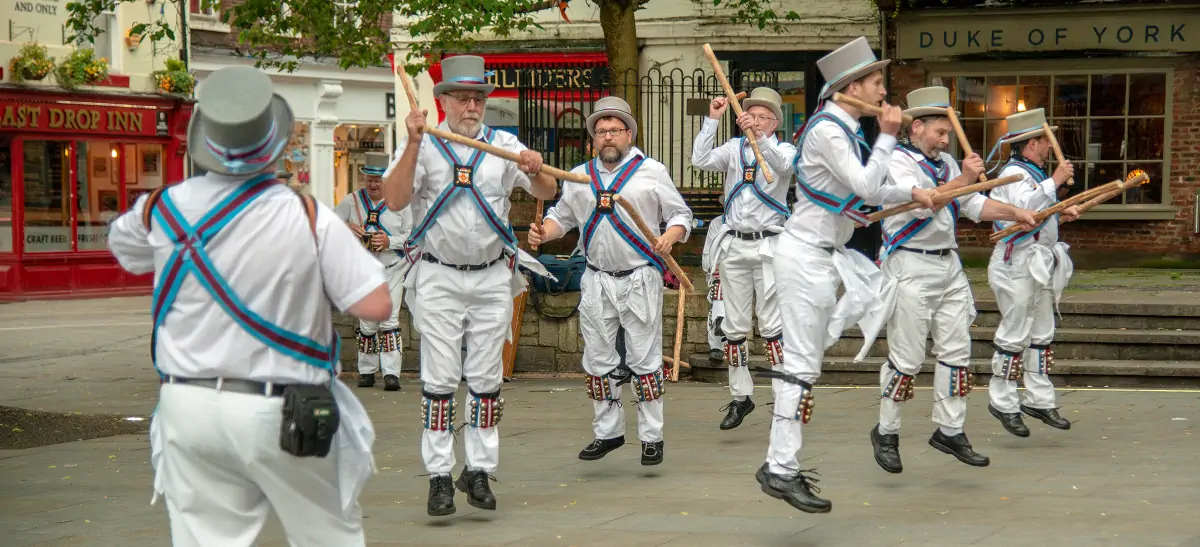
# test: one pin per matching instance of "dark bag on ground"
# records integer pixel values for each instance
(568, 270)
(310, 418)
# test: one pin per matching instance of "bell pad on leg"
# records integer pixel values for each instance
(775, 349)
(1012, 367)
(437, 411)
(367, 343)
(1045, 357)
(599, 388)
(486, 409)
(651, 386)
(714, 290)
(900, 387)
(736, 353)
(962, 382)
(804, 409)
(389, 340)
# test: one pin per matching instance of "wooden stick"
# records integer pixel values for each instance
(684, 281)
(945, 197)
(537, 218)
(741, 95)
(1100, 199)
(962, 137)
(867, 109)
(680, 319)
(478, 145)
(1082, 197)
(1058, 155)
(682, 364)
(737, 110)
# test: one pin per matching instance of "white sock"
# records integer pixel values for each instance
(740, 398)
(950, 431)
(885, 431)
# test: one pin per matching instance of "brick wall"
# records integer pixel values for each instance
(1132, 237)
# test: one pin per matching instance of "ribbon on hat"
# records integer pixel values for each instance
(857, 67)
(472, 79)
(247, 159)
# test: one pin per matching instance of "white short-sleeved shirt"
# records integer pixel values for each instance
(353, 208)
(1032, 193)
(266, 254)
(906, 173)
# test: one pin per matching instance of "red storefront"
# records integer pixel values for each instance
(69, 162)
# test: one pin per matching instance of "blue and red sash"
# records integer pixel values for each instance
(1038, 175)
(938, 174)
(605, 210)
(749, 177)
(848, 206)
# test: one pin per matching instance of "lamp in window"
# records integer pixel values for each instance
(114, 152)
(1021, 105)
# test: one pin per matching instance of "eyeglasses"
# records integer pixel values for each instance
(464, 100)
(602, 133)
(762, 118)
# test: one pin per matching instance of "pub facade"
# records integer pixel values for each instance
(1117, 79)
(74, 157)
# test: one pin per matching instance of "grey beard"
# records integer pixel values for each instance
(466, 128)
(611, 155)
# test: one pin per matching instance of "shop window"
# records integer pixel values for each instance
(1109, 123)
(47, 196)
(352, 142)
(6, 194)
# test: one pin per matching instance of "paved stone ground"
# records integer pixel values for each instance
(1125, 474)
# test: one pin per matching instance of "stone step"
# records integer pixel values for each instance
(1108, 315)
(1069, 343)
(1066, 372)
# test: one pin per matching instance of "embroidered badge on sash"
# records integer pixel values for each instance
(604, 202)
(462, 176)
(748, 174)
(373, 217)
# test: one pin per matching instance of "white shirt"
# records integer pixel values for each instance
(267, 256)
(399, 223)
(461, 234)
(905, 173)
(830, 162)
(650, 191)
(747, 213)
(1030, 194)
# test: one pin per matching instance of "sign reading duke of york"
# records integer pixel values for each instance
(981, 32)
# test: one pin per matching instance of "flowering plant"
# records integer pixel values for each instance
(175, 79)
(33, 62)
(81, 67)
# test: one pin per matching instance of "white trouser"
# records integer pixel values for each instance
(635, 303)
(716, 314)
(224, 472)
(742, 278)
(808, 286)
(453, 304)
(1026, 318)
(932, 296)
(381, 343)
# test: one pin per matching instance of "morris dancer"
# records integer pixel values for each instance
(464, 274)
(243, 339)
(623, 284)
(1028, 273)
(716, 301)
(836, 172)
(755, 211)
(384, 233)
(925, 287)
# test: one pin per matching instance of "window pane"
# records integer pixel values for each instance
(1146, 138)
(1033, 92)
(995, 130)
(47, 216)
(1108, 95)
(1002, 96)
(1070, 96)
(6, 194)
(97, 191)
(1147, 94)
(974, 132)
(1150, 192)
(1071, 137)
(143, 170)
(1100, 174)
(1107, 140)
(971, 94)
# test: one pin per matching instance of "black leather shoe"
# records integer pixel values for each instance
(1011, 422)
(599, 447)
(366, 380)
(441, 496)
(716, 356)
(475, 485)
(887, 450)
(652, 453)
(391, 383)
(959, 447)
(1049, 416)
(737, 410)
(797, 492)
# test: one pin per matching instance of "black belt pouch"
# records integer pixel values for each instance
(310, 418)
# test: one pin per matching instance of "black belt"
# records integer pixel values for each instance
(235, 385)
(935, 252)
(751, 236)
(622, 273)
(462, 267)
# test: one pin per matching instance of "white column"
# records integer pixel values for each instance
(321, 153)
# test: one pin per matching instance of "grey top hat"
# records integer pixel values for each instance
(765, 97)
(1025, 125)
(240, 125)
(377, 163)
(847, 64)
(463, 72)
(615, 107)
(928, 101)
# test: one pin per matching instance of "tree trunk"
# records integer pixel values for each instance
(621, 44)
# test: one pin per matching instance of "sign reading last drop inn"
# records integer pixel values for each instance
(59, 117)
(949, 34)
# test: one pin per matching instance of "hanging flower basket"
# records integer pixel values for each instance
(32, 63)
(81, 67)
(175, 79)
